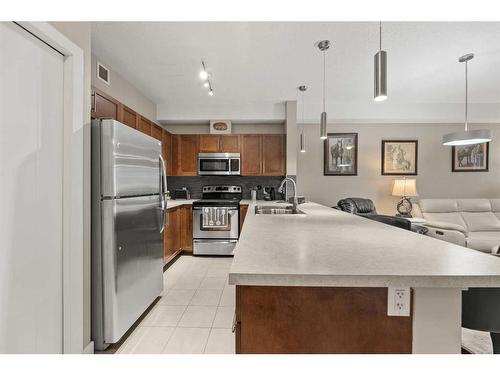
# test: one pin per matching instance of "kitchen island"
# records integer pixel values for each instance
(318, 283)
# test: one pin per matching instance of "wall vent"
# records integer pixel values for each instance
(103, 73)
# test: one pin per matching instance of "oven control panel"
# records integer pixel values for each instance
(221, 189)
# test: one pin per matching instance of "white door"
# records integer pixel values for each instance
(31, 162)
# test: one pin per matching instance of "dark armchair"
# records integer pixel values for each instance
(357, 206)
(365, 207)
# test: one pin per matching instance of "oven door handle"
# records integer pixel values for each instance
(228, 208)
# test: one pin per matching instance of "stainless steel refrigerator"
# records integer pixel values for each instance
(128, 218)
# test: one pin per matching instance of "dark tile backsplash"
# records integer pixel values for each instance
(195, 183)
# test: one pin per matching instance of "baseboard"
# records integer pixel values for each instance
(89, 349)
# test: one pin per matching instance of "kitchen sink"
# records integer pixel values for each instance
(277, 210)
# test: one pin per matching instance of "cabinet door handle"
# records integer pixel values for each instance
(92, 109)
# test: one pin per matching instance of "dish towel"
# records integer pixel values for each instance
(214, 218)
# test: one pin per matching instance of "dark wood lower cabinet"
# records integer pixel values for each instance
(295, 320)
(243, 214)
(187, 228)
(178, 233)
(172, 235)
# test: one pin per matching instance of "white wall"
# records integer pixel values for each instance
(79, 33)
(123, 91)
(434, 180)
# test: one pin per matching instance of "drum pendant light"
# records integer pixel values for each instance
(302, 141)
(323, 46)
(467, 137)
(380, 64)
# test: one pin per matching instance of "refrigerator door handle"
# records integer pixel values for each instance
(163, 188)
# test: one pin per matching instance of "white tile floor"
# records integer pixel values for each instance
(194, 314)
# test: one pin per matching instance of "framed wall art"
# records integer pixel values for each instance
(399, 157)
(341, 154)
(470, 158)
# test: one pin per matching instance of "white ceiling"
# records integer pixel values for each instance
(258, 66)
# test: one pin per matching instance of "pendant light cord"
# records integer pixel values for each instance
(380, 36)
(324, 80)
(303, 106)
(466, 96)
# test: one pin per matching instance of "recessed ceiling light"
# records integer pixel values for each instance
(206, 84)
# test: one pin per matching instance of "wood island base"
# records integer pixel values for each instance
(326, 320)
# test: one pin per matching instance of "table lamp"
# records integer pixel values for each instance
(405, 188)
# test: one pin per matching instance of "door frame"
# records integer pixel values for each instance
(72, 213)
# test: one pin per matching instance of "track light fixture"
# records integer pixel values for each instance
(206, 77)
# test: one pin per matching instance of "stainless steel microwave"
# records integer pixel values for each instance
(219, 163)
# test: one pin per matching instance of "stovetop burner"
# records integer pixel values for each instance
(219, 195)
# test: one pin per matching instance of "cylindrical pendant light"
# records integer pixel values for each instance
(323, 46)
(302, 141)
(467, 137)
(380, 63)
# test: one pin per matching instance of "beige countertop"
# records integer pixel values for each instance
(172, 203)
(327, 247)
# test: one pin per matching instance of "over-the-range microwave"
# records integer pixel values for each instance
(227, 163)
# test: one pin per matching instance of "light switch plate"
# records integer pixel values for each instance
(398, 301)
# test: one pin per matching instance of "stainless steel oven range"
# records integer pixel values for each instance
(216, 220)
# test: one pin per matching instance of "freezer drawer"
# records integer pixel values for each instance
(131, 255)
(214, 247)
(129, 160)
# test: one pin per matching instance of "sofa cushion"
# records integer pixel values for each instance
(495, 205)
(481, 221)
(447, 217)
(483, 241)
(445, 225)
(474, 205)
(438, 205)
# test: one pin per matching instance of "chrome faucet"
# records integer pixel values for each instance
(295, 199)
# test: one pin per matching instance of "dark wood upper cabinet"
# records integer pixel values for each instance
(251, 155)
(185, 154)
(209, 143)
(144, 125)
(128, 117)
(219, 143)
(156, 132)
(166, 147)
(273, 155)
(229, 143)
(104, 106)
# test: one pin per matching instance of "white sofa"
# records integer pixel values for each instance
(474, 223)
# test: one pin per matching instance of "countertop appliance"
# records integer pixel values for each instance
(183, 193)
(222, 204)
(210, 164)
(128, 217)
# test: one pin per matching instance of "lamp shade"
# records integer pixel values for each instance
(405, 187)
(467, 137)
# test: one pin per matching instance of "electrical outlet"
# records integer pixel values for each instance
(398, 301)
